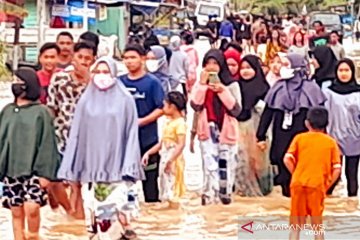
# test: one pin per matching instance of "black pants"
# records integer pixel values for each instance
(183, 86)
(283, 179)
(351, 173)
(150, 185)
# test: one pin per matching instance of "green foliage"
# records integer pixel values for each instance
(284, 6)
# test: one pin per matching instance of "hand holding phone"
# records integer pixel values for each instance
(214, 83)
(204, 77)
(213, 78)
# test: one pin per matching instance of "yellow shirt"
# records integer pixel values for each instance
(172, 129)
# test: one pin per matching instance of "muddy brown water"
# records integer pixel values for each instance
(193, 221)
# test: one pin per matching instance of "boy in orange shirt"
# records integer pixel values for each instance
(313, 159)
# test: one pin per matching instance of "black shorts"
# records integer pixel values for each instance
(19, 190)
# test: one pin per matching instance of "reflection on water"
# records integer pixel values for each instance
(193, 221)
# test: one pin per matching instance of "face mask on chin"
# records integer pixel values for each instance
(18, 89)
(286, 73)
(152, 65)
(103, 81)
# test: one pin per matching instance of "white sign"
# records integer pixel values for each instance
(90, 13)
(60, 10)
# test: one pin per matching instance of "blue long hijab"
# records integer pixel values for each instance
(104, 144)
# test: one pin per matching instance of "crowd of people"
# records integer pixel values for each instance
(272, 106)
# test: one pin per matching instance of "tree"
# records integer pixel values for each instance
(286, 6)
(258, 6)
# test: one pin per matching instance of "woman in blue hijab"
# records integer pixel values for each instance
(103, 151)
(157, 64)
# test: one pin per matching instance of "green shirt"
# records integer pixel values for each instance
(27, 142)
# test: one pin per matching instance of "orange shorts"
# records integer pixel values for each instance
(305, 202)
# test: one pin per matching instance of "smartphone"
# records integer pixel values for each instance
(213, 78)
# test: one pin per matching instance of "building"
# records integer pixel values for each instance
(46, 18)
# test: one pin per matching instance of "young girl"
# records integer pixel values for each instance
(343, 103)
(171, 146)
(29, 156)
(253, 171)
(216, 97)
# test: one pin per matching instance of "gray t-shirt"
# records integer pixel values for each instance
(344, 120)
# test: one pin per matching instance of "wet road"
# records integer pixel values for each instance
(194, 222)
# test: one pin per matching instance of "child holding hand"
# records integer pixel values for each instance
(171, 170)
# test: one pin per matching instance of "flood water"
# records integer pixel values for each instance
(195, 222)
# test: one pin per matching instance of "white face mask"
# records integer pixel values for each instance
(103, 81)
(286, 73)
(152, 65)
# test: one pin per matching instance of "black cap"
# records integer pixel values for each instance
(33, 88)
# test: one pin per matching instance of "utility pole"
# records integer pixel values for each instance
(85, 16)
(352, 5)
(16, 49)
(41, 19)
